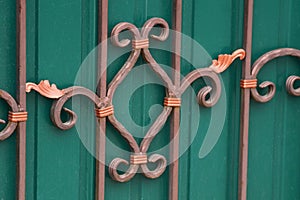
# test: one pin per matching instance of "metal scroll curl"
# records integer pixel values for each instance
(61, 97)
(58, 104)
(257, 66)
(140, 44)
(10, 126)
(139, 159)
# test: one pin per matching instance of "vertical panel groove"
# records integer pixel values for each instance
(233, 149)
(88, 43)
(280, 113)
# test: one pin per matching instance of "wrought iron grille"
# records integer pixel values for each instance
(175, 87)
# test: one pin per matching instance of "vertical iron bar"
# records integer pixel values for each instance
(176, 26)
(21, 96)
(101, 91)
(245, 101)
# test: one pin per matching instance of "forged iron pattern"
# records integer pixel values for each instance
(140, 43)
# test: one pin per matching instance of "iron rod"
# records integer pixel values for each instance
(245, 101)
(101, 91)
(175, 121)
(21, 97)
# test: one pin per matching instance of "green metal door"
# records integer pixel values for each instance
(61, 39)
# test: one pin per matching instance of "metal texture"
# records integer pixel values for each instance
(17, 116)
(45, 89)
(260, 62)
(21, 97)
(245, 101)
(11, 126)
(175, 87)
(225, 60)
(101, 91)
(160, 121)
(249, 85)
(173, 102)
(139, 157)
(175, 120)
(104, 112)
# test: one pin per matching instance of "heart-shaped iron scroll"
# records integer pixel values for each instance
(207, 96)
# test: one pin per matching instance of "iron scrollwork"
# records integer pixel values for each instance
(104, 106)
(11, 126)
(257, 66)
(15, 115)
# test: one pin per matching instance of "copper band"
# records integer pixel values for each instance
(248, 83)
(104, 112)
(17, 116)
(172, 102)
(140, 44)
(138, 159)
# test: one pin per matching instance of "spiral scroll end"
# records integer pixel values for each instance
(290, 85)
(161, 162)
(55, 117)
(270, 86)
(206, 101)
(123, 26)
(72, 118)
(129, 174)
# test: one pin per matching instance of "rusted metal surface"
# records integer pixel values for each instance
(245, 100)
(21, 97)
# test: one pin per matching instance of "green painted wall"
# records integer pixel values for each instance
(61, 33)
(8, 81)
(274, 132)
